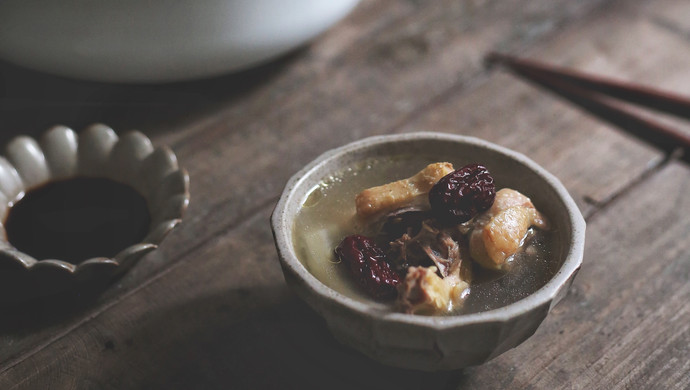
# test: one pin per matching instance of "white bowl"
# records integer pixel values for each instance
(59, 154)
(433, 342)
(156, 41)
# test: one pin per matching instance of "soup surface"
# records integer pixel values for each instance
(77, 219)
(328, 215)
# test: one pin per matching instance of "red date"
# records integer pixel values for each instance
(463, 193)
(368, 265)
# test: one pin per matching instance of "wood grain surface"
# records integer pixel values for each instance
(210, 308)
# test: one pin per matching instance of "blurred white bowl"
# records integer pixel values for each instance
(157, 40)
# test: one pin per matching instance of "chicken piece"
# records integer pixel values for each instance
(500, 232)
(440, 288)
(506, 198)
(406, 220)
(431, 243)
(424, 292)
(402, 193)
(445, 253)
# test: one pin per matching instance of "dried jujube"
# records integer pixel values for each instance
(368, 265)
(463, 193)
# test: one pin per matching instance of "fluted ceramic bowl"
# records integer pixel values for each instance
(60, 153)
(432, 342)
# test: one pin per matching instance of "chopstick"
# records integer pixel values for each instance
(590, 92)
(642, 95)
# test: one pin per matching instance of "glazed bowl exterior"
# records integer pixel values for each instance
(60, 153)
(158, 41)
(433, 343)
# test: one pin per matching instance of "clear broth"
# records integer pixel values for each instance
(327, 216)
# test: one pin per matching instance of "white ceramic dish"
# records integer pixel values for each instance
(422, 342)
(60, 153)
(157, 41)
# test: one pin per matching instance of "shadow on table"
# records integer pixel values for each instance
(25, 312)
(248, 339)
(31, 101)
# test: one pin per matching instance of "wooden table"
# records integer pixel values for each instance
(211, 310)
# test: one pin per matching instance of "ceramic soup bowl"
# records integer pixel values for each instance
(417, 341)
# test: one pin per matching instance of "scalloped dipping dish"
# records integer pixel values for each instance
(428, 343)
(59, 155)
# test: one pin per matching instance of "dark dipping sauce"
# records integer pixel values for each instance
(77, 219)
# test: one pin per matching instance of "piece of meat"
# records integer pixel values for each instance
(414, 249)
(437, 288)
(407, 220)
(424, 292)
(402, 193)
(431, 245)
(500, 232)
(446, 253)
(401, 253)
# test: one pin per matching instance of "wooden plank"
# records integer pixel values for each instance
(242, 138)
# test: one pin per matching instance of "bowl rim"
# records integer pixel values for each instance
(282, 232)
